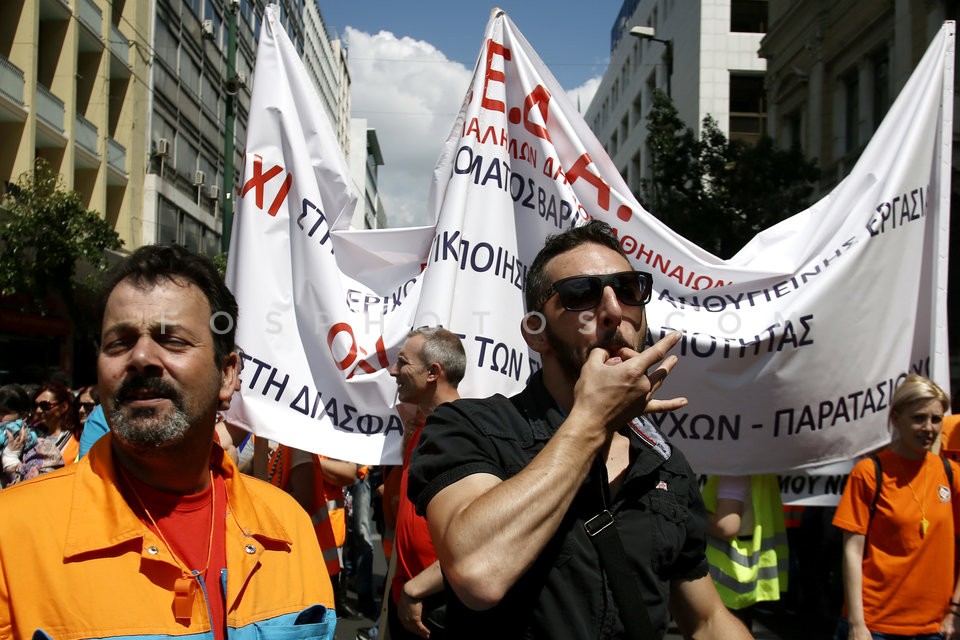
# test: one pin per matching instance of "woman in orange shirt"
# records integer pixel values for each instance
(901, 579)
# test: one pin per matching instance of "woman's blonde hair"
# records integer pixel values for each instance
(914, 389)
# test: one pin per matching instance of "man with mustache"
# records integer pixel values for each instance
(155, 532)
(525, 495)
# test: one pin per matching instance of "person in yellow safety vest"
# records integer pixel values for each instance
(317, 482)
(747, 541)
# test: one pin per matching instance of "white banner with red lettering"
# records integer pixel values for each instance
(790, 350)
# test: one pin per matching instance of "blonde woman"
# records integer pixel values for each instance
(899, 575)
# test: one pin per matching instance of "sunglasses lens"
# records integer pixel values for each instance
(631, 288)
(582, 293)
(44, 406)
(579, 293)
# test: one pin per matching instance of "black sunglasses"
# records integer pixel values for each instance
(43, 405)
(582, 293)
(88, 406)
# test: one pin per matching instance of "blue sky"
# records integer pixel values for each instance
(572, 38)
(411, 62)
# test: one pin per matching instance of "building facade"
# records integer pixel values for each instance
(127, 101)
(325, 58)
(703, 54)
(834, 69)
(364, 160)
(75, 83)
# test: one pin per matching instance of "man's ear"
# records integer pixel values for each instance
(434, 371)
(229, 379)
(533, 329)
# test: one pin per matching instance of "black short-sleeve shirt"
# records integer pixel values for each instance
(659, 515)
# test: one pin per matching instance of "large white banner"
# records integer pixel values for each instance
(790, 350)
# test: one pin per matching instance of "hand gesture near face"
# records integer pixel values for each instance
(619, 388)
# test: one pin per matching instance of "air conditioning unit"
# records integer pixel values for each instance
(199, 178)
(213, 192)
(163, 147)
(207, 29)
(241, 79)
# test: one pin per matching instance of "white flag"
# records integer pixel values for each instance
(790, 350)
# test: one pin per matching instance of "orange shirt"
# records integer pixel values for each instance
(950, 437)
(412, 542)
(908, 579)
(71, 450)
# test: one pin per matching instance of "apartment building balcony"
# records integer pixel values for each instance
(55, 9)
(117, 174)
(85, 134)
(50, 119)
(12, 106)
(91, 17)
(119, 53)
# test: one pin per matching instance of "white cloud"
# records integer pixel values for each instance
(410, 93)
(582, 95)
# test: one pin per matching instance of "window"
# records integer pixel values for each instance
(186, 155)
(211, 243)
(191, 233)
(748, 113)
(793, 130)
(175, 226)
(748, 16)
(166, 45)
(168, 223)
(190, 74)
(881, 87)
(851, 111)
(636, 111)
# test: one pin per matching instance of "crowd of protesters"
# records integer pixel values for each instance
(49, 426)
(41, 426)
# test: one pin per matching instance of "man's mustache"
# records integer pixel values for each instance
(138, 385)
(614, 342)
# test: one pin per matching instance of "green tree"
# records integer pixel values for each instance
(44, 232)
(715, 192)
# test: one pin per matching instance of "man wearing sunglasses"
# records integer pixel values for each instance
(511, 486)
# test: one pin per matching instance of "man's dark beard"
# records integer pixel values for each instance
(142, 427)
(571, 362)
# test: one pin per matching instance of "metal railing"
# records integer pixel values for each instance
(11, 81)
(119, 44)
(116, 155)
(50, 108)
(86, 134)
(90, 15)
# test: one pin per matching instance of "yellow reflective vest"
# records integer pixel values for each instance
(751, 568)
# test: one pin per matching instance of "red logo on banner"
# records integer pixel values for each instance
(259, 181)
